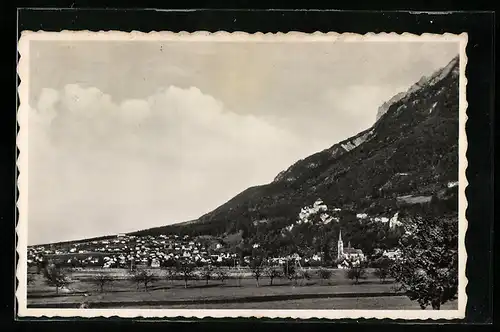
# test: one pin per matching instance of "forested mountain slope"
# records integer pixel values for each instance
(409, 156)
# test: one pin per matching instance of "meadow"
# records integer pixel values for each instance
(337, 292)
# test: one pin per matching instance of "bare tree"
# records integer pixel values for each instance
(257, 270)
(272, 273)
(101, 280)
(289, 269)
(144, 277)
(185, 270)
(148, 278)
(136, 277)
(221, 274)
(170, 274)
(238, 277)
(207, 272)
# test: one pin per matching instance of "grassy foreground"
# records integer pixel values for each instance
(361, 303)
(335, 293)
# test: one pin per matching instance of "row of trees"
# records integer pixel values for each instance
(56, 277)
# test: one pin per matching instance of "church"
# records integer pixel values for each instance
(348, 253)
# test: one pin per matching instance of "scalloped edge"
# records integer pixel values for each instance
(221, 36)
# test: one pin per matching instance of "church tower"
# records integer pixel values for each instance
(340, 246)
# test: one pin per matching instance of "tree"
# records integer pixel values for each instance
(101, 280)
(272, 273)
(382, 268)
(300, 274)
(238, 276)
(145, 277)
(185, 270)
(136, 277)
(221, 274)
(289, 269)
(257, 269)
(148, 278)
(30, 278)
(170, 274)
(207, 272)
(325, 274)
(427, 269)
(56, 277)
(356, 270)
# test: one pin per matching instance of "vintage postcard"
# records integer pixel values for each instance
(285, 175)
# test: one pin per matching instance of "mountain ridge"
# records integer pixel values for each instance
(424, 119)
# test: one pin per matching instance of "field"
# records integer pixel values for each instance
(356, 303)
(336, 293)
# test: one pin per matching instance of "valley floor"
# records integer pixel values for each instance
(336, 293)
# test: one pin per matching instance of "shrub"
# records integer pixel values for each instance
(324, 274)
(30, 278)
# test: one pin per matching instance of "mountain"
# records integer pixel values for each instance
(425, 80)
(407, 158)
(385, 106)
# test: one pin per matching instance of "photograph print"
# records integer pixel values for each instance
(239, 175)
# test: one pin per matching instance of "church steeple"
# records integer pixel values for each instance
(340, 246)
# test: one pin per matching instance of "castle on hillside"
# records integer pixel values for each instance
(348, 253)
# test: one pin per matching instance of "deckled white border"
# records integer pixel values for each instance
(203, 36)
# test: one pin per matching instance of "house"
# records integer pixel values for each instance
(392, 254)
(394, 221)
(155, 263)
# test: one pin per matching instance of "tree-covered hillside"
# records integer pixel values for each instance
(409, 155)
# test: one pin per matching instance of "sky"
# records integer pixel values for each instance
(130, 135)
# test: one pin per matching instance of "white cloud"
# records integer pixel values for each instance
(97, 167)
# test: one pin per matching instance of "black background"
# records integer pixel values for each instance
(480, 73)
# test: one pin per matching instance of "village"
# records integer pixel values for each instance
(125, 251)
(130, 252)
